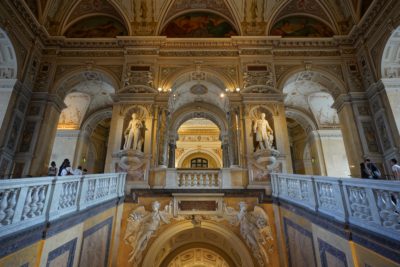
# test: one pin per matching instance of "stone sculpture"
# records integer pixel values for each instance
(141, 227)
(133, 134)
(254, 229)
(264, 134)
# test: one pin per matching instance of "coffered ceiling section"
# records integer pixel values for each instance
(197, 18)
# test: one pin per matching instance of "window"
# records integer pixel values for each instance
(199, 163)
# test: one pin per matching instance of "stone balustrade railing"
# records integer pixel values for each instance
(198, 178)
(27, 202)
(370, 204)
(193, 178)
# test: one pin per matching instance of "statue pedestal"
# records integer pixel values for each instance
(261, 164)
(136, 164)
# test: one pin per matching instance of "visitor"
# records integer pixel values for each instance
(371, 170)
(364, 173)
(67, 170)
(62, 166)
(78, 171)
(84, 171)
(395, 169)
(52, 169)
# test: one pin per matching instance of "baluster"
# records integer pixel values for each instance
(27, 205)
(42, 198)
(11, 205)
(208, 179)
(3, 205)
(35, 199)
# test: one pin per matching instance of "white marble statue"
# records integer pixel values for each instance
(254, 228)
(264, 133)
(133, 134)
(142, 225)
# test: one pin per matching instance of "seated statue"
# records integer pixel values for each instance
(263, 133)
(133, 134)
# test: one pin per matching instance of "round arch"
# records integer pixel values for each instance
(307, 123)
(60, 84)
(226, 80)
(162, 247)
(387, 63)
(213, 250)
(9, 65)
(338, 89)
(191, 152)
(200, 110)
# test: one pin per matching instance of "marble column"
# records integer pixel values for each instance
(171, 156)
(53, 106)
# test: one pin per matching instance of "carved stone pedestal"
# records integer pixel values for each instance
(136, 164)
(261, 164)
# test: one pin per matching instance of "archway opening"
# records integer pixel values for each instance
(8, 73)
(84, 122)
(198, 145)
(390, 72)
(317, 144)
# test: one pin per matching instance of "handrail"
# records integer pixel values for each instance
(369, 204)
(30, 201)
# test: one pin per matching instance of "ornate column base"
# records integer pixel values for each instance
(136, 164)
(261, 164)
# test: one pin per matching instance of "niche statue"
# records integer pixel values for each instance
(133, 134)
(264, 134)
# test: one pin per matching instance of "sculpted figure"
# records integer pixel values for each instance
(264, 133)
(142, 225)
(133, 134)
(254, 228)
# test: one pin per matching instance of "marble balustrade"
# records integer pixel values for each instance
(30, 201)
(370, 204)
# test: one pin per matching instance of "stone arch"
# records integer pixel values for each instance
(63, 84)
(307, 123)
(93, 119)
(338, 86)
(9, 65)
(208, 247)
(161, 247)
(389, 65)
(188, 153)
(200, 110)
(225, 79)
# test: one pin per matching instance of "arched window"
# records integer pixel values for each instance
(199, 163)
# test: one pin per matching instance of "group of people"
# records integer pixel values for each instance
(370, 171)
(65, 169)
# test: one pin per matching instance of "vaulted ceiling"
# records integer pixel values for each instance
(197, 18)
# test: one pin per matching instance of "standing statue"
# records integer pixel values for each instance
(133, 134)
(142, 225)
(264, 134)
(254, 228)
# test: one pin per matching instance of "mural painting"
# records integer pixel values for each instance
(301, 26)
(199, 24)
(96, 27)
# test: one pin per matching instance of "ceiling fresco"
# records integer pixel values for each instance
(301, 26)
(196, 18)
(199, 24)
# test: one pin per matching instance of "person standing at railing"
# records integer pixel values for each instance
(395, 169)
(52, 169)
(370, 170)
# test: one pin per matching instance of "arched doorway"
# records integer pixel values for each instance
(314, 128)
(83, 126)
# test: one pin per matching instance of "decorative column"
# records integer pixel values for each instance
(358, 130)
(114, 138)
(52, 106)
(171, 154)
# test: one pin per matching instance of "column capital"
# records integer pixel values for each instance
(349, 98)
(51, 99)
